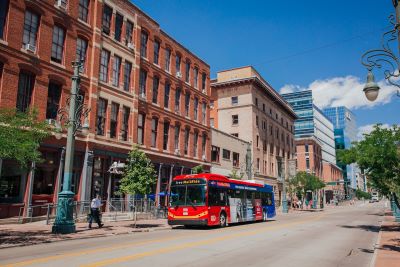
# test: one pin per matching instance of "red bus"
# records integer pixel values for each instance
(212, 199)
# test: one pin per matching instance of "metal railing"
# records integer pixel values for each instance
(135, 208)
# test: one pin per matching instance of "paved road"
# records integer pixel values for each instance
(341, 236)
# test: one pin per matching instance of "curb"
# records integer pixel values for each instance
(89, 237)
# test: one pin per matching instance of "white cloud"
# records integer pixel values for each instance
(344, 91)
(366, 129)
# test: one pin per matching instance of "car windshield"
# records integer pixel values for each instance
(188, 195)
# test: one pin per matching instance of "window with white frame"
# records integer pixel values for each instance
(31, 28)
(104, 61)
(57, 46)
(116, 70)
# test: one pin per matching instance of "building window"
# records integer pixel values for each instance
(143, 44)
(31, 27)
(257, 141)
(177, 99)
(101, 115)
(256, 102)
(83, 10)
(166, 135)
(203, 144)
(81, 48)
(256, 121)
(235, 162)
(187, 72)
(263, 107)
(178, 63)
(57, 46)
(53, 100)
(114, 120)
(306, 148)
(204, 112)
(270, 130)
(307, 163)
(104, 61)
(235, 119)
(156, 82)
(187, 104)
(177, 132)
(167, 89)
(154, 126)
(195, 141)
(142, 83)
(3, 16)
(203, 81)
(167, 59)
(226, 154)
(156, 51)
(118, 27)
(186, 144)
(125, 123)
(128, 32)
(196, 77)
(215, 154)
(196, 108)
(141, 118)
(25, 89)
(116, 70)
(211, 104)
(106, 23)
(234, 100)
(258, 164)
(127, 76)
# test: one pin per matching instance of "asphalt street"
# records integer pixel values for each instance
(340, 236)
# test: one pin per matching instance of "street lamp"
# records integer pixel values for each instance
(383, 56)
(71, 117)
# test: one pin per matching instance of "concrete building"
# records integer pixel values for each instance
(345, 125)
(246, 106)
(228, 154)
(312, 123)
(143, 87)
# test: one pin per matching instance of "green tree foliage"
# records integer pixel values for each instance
(236, 175)
(198, 169)
(139, 176)
(361, 194)
(20, 135)
(303, 182)
(378, 155)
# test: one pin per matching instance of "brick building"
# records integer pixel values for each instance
(309, 156)
(141, 85)
(246, 106)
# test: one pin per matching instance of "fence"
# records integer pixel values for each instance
(113, 209)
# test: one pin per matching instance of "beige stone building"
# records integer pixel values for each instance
(244, 105)
(228, 154)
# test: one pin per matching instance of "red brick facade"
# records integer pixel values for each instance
(15, 59)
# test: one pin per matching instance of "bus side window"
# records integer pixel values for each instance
(269, 199)
(263, 198)
(212, 196)
(257, 195)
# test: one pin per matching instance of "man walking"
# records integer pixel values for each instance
(95, 211)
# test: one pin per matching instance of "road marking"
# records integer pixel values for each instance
(194, 244)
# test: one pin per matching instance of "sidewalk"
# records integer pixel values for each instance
(13, 235)
(388, 250)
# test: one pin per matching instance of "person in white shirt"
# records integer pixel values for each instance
(95, 211)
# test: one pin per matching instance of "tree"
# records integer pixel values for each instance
(139, 176)
(361, 194)
(198, 169)
(236, 175)
(20, 135)
(303, 182)
(378, 155)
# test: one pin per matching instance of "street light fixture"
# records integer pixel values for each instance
(383, 56)
(71, 116)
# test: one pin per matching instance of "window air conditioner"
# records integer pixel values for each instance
(30, 47)
(177, 152)
(178, 74)
(131, 46)
(62, 4)
(204, 158)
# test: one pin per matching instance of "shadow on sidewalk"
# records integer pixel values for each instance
(369, 228)
(144, 225)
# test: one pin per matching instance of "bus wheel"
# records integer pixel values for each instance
(222, 220)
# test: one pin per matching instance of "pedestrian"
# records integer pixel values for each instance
(95, 211)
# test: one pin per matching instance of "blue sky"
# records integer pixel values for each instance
(294, 45)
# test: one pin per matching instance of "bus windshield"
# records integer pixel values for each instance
(188, 195)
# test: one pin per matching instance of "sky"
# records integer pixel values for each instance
(294, 45)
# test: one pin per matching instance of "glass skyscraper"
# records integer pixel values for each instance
(312, 123)
(344, 122)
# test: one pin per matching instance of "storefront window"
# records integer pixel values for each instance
(10, 182)
(46, 173)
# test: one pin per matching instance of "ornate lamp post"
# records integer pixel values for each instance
(71, 116)
(383, 56)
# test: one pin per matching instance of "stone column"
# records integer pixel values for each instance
(86, 182)
(158, 185)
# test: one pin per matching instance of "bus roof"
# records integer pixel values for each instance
(218, 177)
